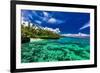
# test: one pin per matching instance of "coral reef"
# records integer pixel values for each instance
(63, 49)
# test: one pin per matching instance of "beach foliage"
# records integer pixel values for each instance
(33, 32)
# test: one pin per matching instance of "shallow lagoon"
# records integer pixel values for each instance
(63, 49)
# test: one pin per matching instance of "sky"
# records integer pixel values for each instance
(66, 22)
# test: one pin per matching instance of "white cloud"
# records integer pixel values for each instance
(85, 26)
(38, 22)
(52, 20)
(51, 29)
(76, 35)
(36, 14)
(47, 18)
(30, 16)
(45, 14)
(44, 18)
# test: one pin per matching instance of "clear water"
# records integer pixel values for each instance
(63, 49)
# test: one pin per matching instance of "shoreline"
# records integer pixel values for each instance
(35, 39)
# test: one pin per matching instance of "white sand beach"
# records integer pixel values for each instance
(35, 39)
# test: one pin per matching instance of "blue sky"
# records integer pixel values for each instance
(67, 22)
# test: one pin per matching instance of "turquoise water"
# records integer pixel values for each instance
(63, 49)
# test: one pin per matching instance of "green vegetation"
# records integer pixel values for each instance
(32, 32)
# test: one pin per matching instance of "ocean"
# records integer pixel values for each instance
(63, 49)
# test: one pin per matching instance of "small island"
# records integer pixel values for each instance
(36, 32)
